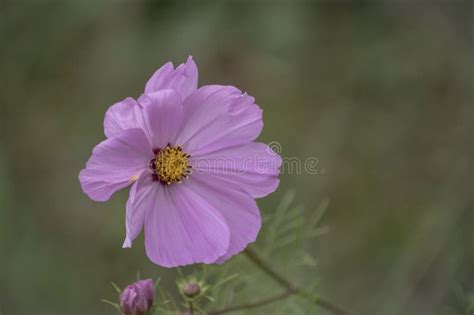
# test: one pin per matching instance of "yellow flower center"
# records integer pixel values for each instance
(171, 165)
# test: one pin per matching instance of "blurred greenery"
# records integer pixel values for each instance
(380, 92)
(285, 242)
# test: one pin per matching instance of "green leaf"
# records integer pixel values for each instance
(116, 287)
(115, 305)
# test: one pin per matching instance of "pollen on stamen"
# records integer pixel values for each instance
(170, 165)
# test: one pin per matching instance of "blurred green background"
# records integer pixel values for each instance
(380, 92)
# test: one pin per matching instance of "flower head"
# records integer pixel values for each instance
(191, 289)
(195, 170)
(137, 298)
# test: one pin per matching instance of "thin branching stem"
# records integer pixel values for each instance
(290, 287)
(254, 258)
(262, 302)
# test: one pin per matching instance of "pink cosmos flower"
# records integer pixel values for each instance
(195, 170)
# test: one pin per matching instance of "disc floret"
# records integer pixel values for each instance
(171, 165)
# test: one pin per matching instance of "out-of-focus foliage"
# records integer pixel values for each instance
(462, 303)
(380, 92)
(284, 245)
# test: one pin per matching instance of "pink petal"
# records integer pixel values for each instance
(123, 115)
(237, 207)
(184, 79)
(217, 117)
(254, 167)
(115, 163)
(163, 114)
(184, 228)
(137, 204)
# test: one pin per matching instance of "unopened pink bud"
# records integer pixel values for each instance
(137, 298)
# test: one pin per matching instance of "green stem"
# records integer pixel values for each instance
(252, 255)
(290, 287)
(262, 302)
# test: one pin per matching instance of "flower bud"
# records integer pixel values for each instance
(137, 298)
(191, 289)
